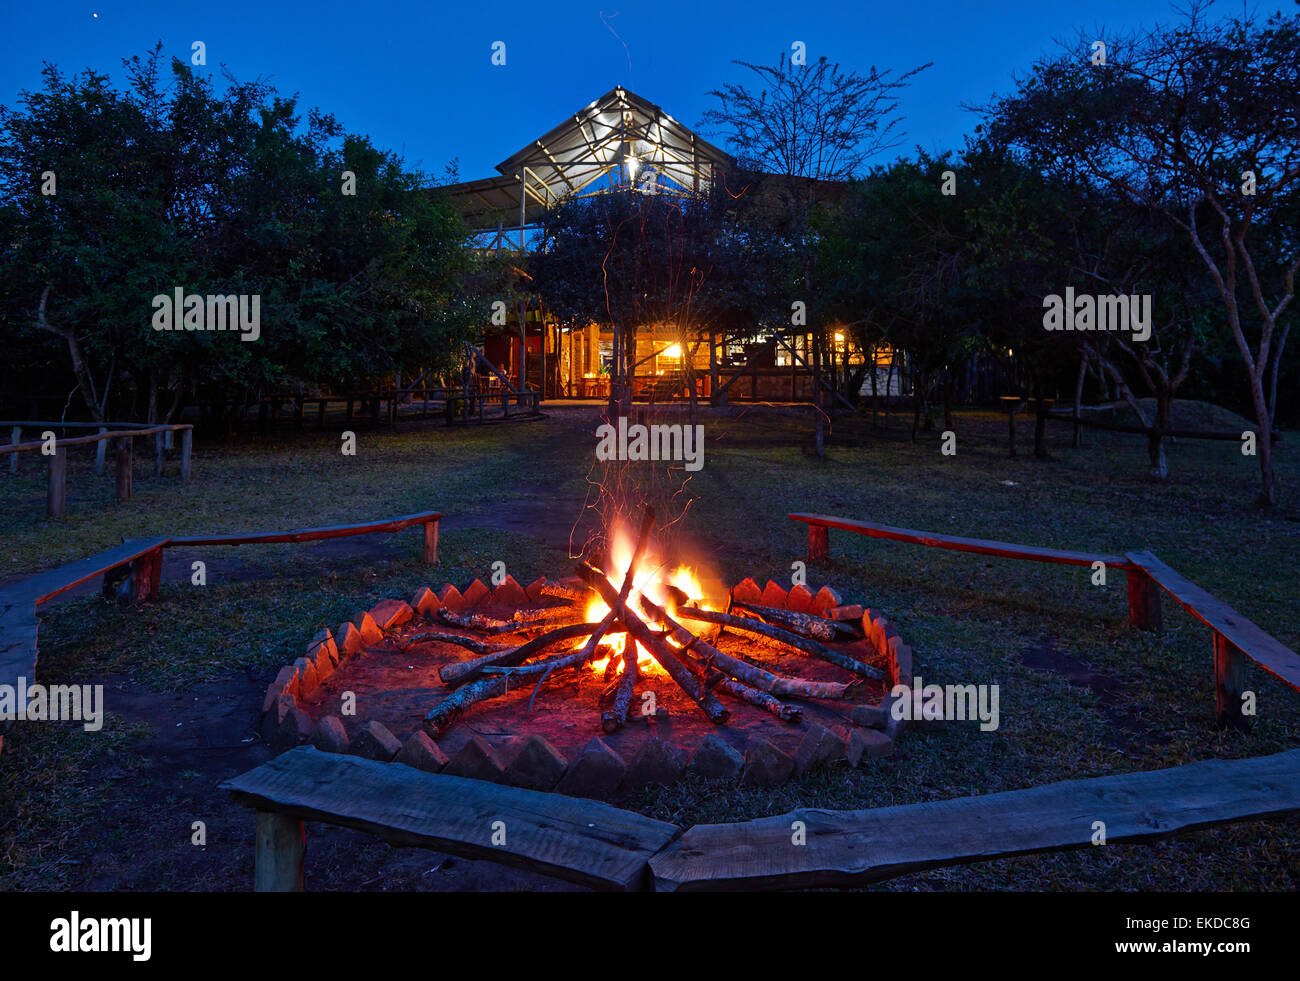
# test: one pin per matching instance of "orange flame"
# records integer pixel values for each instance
(649, 582)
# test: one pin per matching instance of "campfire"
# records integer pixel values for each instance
(632, 620)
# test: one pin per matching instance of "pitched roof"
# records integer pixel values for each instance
(599, 141)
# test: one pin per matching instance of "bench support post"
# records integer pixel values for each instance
(101, 450)
(1229, 681)
(1143, 601)
(280, 850)
(144, 576)
(431, 542)
(818, 542)
(56, 497)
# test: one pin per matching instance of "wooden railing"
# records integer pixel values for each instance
(1234, 635)
(426, 401)
(123, 435)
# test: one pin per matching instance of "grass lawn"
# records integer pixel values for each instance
(1081, 694)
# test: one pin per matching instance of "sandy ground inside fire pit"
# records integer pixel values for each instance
(398, 688)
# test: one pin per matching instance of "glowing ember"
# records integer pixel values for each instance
(650, 581)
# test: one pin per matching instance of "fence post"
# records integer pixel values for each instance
(158, 454)
(57, 495)
(187, 443)
(101, 448)
(15, 439)
(124, 488)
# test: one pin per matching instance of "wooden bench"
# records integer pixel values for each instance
(853, 848)
(819, 544)
(143, 554)
(1234, 636)
(18, 603)
(429, 519)
(582, 841)
(1143, 597)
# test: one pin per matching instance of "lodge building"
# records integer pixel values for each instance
(624, 143)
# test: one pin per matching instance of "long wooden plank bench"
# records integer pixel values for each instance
(1143, 597)
(18, 602)
(819, 545)
(144, 554)
(19, 623)
(429, 519)
(1234, 636)
(577, 840)
(853, 848)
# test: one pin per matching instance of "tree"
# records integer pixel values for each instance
(172, 185)
(810, 128)
(895, 261)
(1199, 122)
(634, 259)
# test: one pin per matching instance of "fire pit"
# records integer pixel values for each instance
(627, 674)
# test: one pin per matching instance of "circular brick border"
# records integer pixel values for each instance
(595, 771)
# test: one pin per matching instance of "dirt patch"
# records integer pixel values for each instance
(1125, 734)
(142, 838)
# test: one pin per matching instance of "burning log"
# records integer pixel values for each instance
(743, 671)
(498, 683)
(712, 679)
(559, 590)
(804, 624)
(537, 618)
(454, 675)
(805, 644)
(613, 720)
(639, 631)
(469, 643)
(647, 523)
(442, 714)
(575, 660)
(477, 621)
(786, 713)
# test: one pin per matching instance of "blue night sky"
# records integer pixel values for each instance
(417, 77)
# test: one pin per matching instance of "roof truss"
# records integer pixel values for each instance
(620, 137)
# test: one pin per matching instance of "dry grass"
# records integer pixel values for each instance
(970, 619)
